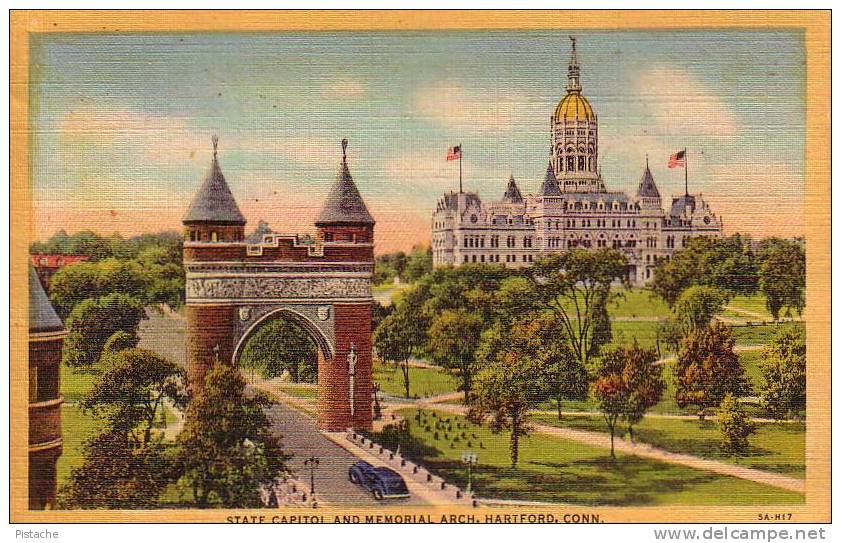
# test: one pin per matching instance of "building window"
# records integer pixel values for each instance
(214, 236)
(570, 163)
(465, 259)
(581, 163)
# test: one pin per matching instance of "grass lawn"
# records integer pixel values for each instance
(76, 429)
(762, 334)
(778, 447)
(754, 303)
(645, 332)
(75, 382)
(558, 470)
(300, 390)
(423, 382)
(638, 302)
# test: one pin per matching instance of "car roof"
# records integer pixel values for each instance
(388, 472)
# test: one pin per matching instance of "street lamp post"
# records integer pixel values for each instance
(312, 462)
(352, 358)
(470, 459)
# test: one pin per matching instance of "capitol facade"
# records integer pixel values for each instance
(572, 208)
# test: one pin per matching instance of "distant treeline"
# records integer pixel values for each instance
(409, 268)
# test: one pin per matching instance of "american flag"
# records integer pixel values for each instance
(454, 153)
(678, 160)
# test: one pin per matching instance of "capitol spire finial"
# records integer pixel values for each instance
(215, 140)
(574, 85)
(344, 150)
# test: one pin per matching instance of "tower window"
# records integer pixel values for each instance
(581, 163)
(570, 163)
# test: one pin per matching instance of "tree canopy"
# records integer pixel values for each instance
(227, 451)
(93, 321)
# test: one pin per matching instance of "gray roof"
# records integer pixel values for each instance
(42, 316)
(647, 188)
(550, 187)
(679, 205)
(512, 192)
(214, 201)
(344, 204)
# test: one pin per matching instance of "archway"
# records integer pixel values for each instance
(282, 345)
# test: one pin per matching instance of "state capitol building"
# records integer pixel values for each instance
(572, 207)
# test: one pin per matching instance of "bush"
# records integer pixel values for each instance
(735, 426)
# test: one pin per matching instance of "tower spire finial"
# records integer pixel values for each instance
(344, 150)
(215, 139)
(646, 161)
(574, 85)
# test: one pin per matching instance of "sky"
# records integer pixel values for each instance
(122, 123)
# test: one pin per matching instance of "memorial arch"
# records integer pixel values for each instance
(234, 285)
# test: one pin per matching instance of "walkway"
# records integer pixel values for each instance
(599, 439)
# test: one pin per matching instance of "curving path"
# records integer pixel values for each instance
(599, 439)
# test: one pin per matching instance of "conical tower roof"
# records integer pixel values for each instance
(512, 192)
(214, 201)
(647, 188)
(344, 204)
(42, 316)
(550, 187)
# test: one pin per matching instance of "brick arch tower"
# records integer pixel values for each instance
(234, 285)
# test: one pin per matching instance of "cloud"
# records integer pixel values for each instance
(452, 104)
(344, 89)
(763, 199)
(681, 104)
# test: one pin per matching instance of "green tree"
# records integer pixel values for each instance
(396, 338)
(117, 474)
(725, 263)
(453, 339)
(72, 284)
(506, 389)
(735, 426)
(670, 333)
(783, 388)
(708, 369)
(118, 341)
(93, 321)
(129, 396)
(282, 346)
(541, 337)
(227, 451)
(418, 264)
(697, 305)
(574, 286)
(782, 277)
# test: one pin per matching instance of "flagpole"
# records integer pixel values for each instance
(460, 154)
(685, 173)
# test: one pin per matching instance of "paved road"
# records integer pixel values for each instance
(163, 334)
(302, 438)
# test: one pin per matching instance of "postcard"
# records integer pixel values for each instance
(420, 267)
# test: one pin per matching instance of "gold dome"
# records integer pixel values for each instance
(574, 107)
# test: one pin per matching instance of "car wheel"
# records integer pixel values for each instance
(378, 495)
(353, 478)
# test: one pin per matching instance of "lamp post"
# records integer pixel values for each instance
(470, 459)
(351, 371)
(312, 462)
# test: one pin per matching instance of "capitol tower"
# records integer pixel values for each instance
(571, 207)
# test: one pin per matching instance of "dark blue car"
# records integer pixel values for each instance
(381, 482)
